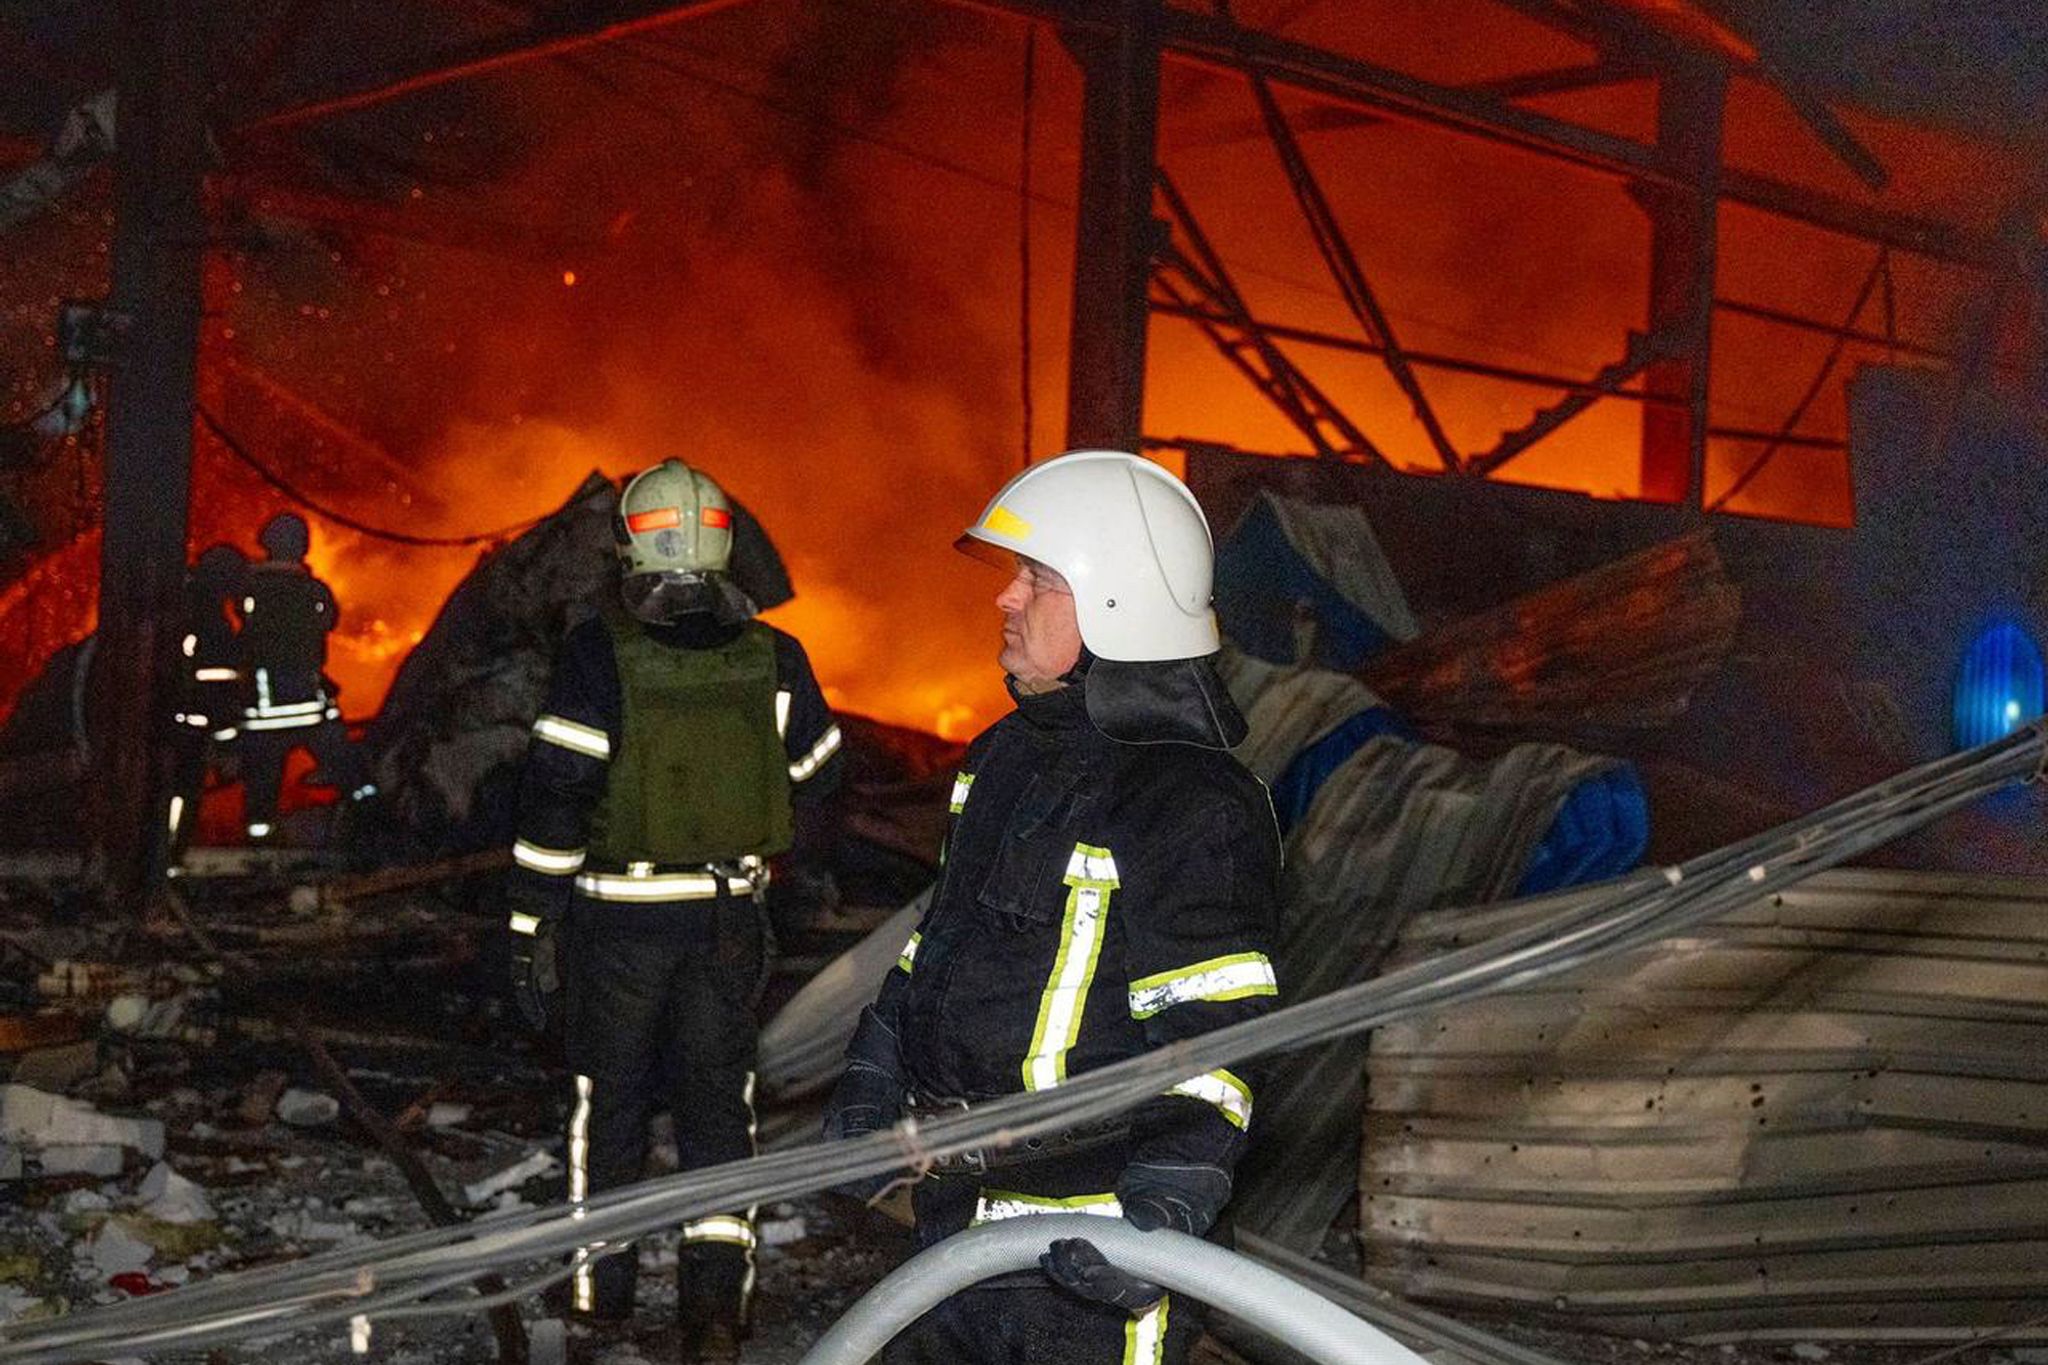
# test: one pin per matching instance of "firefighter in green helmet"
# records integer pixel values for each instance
(679, 747)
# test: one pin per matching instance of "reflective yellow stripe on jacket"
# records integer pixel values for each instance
(1090, 878)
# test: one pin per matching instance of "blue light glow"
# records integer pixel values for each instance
(2000, 686)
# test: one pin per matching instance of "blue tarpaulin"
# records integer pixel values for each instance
(1309, 769)
(1272, 594)
(1599, 831)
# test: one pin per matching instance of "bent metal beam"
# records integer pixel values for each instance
(1219, 44)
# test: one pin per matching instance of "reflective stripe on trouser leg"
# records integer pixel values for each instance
(736, 1230)
(583, 1290)
(753, 1149)
(1145, 1337)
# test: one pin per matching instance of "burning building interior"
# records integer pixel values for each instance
(1619, 427)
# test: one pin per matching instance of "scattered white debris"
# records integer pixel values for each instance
(1806, 1350)
(80, 1202)
(308, 1108)
(443, 1114)
(51, 1123)
(780, 1232)
(17, 1303)
(171, 1198)
(535, 1164)
(114, 1250)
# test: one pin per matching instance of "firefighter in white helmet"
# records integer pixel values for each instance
(1109, 886)
(681, 747)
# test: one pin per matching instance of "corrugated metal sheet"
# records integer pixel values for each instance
(1826, 1116)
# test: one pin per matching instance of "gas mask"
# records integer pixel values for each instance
(660, 599)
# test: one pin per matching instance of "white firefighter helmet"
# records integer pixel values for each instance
(673, 519)
(1126, 535)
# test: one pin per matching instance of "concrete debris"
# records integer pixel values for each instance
(96, 1159)
(72, 1137)
(170, 1197)
(1807, 1350)
(308, 1108)
(10, 1161)
(535, 1164)
(112, 1249)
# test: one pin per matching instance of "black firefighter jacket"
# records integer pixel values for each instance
(1097, 900)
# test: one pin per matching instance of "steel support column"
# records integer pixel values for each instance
(159, 244)
(1682, 228)
(1115, 236)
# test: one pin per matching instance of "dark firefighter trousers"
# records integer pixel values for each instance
(263, 754)
(664, 1018)
(1023, 1318)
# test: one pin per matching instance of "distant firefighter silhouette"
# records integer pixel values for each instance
(286, 614)
(211, 687)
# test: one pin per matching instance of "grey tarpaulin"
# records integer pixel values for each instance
(1397, 829)
(803, 1047)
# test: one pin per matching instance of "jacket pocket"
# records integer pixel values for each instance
(1023, 888)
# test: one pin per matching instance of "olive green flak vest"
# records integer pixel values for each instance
(700, 774)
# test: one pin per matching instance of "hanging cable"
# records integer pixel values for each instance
(278, 481)
(1878, 271)
(1024, 232)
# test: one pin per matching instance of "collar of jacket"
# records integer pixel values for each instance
(1062, 709)
(1170, 701)
(1173, 701)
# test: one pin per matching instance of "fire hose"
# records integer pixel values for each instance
(1288, 1312)
(429, 1272)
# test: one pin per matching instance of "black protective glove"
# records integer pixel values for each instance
(534, 976)
(1075, 1265)
(1184, 1197)
(869, 1096)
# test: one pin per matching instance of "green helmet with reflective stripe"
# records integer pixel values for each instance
(673, 520)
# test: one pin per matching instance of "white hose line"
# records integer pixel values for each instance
(1260, 1297)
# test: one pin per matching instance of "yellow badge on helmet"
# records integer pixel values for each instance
(1003, 522)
